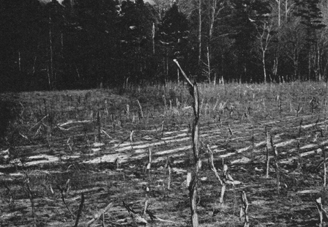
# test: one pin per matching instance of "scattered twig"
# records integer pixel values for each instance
(39, 122)
(68, 142)
(63, 192)
(103, 131)
(137, 218)
(73, 122)
(97, 215)
(299, 110)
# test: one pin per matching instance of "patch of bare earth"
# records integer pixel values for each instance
(96, 143)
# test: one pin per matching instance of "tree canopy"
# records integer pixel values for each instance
(74, 44)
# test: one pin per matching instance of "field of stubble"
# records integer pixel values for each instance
(67, 155)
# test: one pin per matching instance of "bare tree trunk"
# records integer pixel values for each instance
(19, 61)
(279, 12)
(309, 65)
(51, 71)
(264, 67)
(153, 37)
(199, 32)
(286, 10)
(208, 65)
(210, 36)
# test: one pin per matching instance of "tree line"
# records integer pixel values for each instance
(76, 44)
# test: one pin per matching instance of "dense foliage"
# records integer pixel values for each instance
(85, 43)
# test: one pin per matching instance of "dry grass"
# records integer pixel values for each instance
(54, 136)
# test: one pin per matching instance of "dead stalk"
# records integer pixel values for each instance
(269, 148)
(276, 155)
(164, 100)
(140, 109)
(146, 199)
(193, 89)
(99, 126)
(244, 209)
(267, 163)
(324, 167)
(322, 213)
(168, 165)
(300, 160)
(30, 196)
(148, 166)
(128, 110)
(279, 104)
(79, 211)
(300, 128)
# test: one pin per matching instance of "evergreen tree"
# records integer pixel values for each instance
(94, 42)
(245, 21)
(18, 42)
(136, 24)
(311, 18)
(173, 35)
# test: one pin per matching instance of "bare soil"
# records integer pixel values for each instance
(96, 143)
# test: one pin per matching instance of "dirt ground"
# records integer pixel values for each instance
(60, 145)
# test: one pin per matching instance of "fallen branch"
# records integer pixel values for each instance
(74, 122)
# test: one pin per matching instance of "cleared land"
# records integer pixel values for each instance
(99, 140)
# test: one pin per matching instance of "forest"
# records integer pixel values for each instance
(82, 44)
